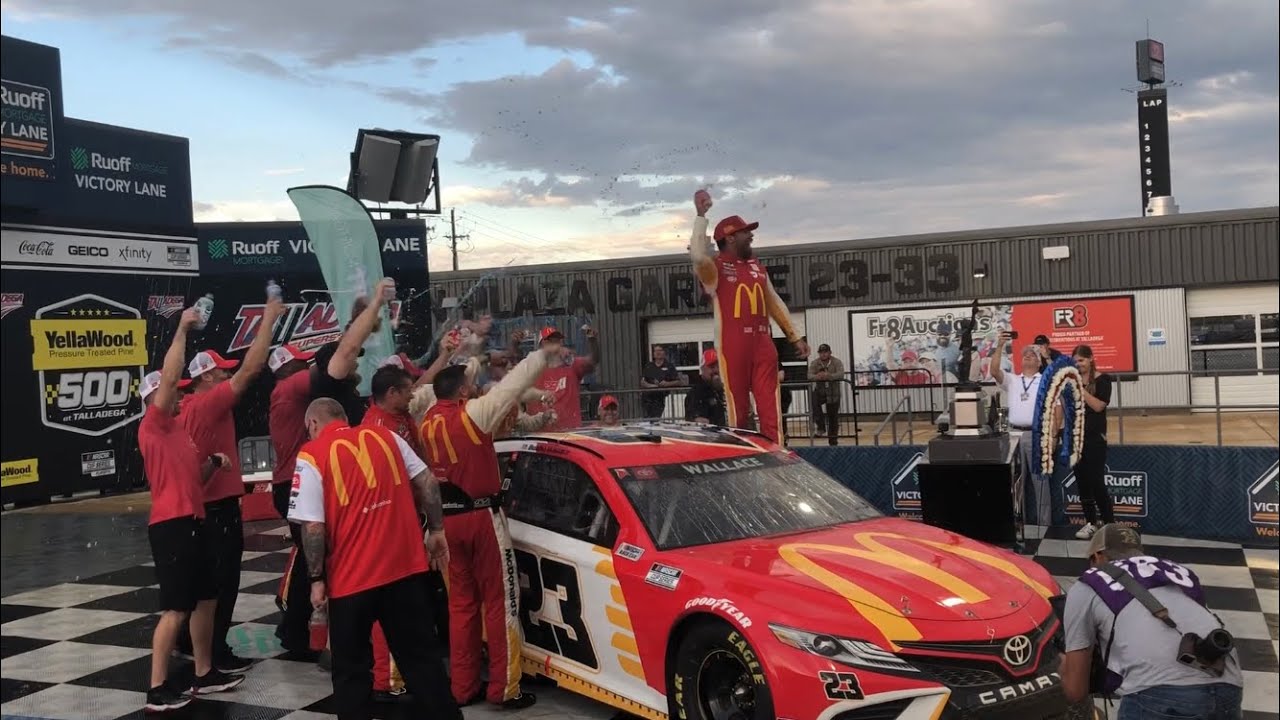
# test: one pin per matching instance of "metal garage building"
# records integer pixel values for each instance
(1200, 291)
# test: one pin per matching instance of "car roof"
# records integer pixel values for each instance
(658, 442)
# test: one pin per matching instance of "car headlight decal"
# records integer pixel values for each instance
(855, 653)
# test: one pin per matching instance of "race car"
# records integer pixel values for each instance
(675, 570)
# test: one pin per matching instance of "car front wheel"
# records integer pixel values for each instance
(717, 675)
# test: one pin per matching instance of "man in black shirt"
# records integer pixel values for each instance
(658, 373)
(705, 401)
(334, 373)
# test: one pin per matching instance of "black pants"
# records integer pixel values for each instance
(293, 631)
(224, 534)
(1090, 471)
(653, 404)
(404, 608)
(826, 416)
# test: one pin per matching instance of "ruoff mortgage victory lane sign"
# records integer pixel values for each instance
(90, 353)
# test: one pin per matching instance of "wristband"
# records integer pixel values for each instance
(317, 578)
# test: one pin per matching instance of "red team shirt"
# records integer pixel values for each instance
(289, 400)
(172, 464)
(563, 382)
(357, 482)
(207, 418)
(401, 424)
(460, 451)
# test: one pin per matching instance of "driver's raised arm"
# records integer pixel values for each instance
(488, 411)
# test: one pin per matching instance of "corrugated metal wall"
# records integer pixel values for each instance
(619, 295)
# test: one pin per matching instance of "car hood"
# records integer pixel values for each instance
(892, 571)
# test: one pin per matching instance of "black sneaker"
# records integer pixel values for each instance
(519, 702)
(215, 681)
(165, 698)
(398, 695)
(232, 664)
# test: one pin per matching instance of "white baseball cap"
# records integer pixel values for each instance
(150, 383)
(207, 360)
(285, 354)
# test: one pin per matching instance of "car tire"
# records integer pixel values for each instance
(715, 666)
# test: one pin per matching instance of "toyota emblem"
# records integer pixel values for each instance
(1018, 650)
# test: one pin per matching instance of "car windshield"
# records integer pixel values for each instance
(750, 496)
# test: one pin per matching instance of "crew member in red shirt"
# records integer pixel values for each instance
(175, 471)
(743, 300)
(358, 492)
(563, 379)
(391, 389)
(207, 416)
(289, 400)
(458, 434)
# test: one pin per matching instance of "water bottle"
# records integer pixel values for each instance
(319, 627)
(274, 291)
(390, 293)
(204, 308)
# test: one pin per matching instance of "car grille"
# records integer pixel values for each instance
(1049, 705)
(960, 675)
(883, 711)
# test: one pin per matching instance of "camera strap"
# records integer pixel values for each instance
(1142, 595)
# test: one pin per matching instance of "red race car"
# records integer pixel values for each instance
(684, 571)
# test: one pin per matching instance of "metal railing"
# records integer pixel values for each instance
(893, 418)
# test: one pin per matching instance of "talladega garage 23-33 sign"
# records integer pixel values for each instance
(90, 353)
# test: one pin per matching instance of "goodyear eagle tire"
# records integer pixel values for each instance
(717, 675)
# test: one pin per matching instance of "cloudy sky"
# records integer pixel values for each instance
(576, 129)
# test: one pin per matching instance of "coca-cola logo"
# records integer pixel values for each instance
(44, 247)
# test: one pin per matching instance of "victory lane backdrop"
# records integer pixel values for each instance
(237, 260)
(79, 343)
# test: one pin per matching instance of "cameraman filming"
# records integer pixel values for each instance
(1163, 652)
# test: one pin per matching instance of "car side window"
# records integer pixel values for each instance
(560, 496)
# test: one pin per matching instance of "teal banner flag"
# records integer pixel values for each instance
(346, 245)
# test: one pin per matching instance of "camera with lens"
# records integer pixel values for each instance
(1208, 653)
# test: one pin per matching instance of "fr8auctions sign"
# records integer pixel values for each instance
(90, 353)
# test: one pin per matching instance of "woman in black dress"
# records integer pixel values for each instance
(1092, 467)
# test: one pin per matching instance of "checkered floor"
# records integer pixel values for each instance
(80, 650)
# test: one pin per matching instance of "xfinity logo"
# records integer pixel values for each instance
(87, 251)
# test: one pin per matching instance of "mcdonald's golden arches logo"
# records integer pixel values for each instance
(366, 439)
(755, 299)
(438, 423)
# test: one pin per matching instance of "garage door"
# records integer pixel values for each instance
(1234, 329)
(686, 338)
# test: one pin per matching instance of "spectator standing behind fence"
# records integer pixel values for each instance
(1091, 469)
(705, 401)
(658, 373)
(826, 372)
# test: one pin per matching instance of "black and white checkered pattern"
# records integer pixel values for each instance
(81, 650)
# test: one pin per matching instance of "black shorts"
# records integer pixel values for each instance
(184, 567)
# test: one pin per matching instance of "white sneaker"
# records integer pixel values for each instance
(1086, 531)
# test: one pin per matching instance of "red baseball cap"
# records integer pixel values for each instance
(402, 361)
(550, 332)
(286, 354)
(183, 384)
(731, 225)
(608, 400)
(206, 360)
(709, 358)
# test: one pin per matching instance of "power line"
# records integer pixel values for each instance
(454, 237)
(495, 225)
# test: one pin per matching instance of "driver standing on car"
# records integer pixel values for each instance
(458, 433)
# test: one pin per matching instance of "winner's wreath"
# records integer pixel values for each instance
(1059, 382)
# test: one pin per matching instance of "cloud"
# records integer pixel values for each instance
(283, 171)
(825, 119)
(244, 211)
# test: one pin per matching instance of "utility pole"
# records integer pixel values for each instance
(454, 237)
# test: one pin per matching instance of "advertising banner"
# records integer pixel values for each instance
(31, 119)
(921, 346)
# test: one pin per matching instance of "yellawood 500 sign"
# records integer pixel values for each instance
(90, 353)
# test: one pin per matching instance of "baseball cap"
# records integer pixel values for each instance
(150, 383)
(184, 383)
(824, 348)
(731, 225)
(550, 332)
(1116, 539)
(286, 354)
(709, 357)
(910, 355)
(608, 400)
(1042, 340)
(207, 360)
(403, 362)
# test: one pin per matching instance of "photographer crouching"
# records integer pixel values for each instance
(1158, 646)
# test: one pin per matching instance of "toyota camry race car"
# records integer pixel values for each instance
(683, 571)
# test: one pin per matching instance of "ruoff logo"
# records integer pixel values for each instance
(1128, 490)
(218, 249)
(1264, 498)
(9, 302)
(1076, 316)
(905, 486)
(79, 159)
(82, 159)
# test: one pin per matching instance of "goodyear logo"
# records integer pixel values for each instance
(19, 472)
(1264, 501)
(754, 294)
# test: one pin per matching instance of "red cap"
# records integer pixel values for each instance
(183, 383)
(909, 355)
(709, 358)
(550, 332)
(608, 400)
(206, 360)
(731, 225)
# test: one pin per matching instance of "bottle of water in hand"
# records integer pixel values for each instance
(204, 308)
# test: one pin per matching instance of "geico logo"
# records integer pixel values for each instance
(269, 247)
(11, 469)
(754, 293)
(88, 339)
(364, 461)
(87, 250)
(26, 100)
(103, 162)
